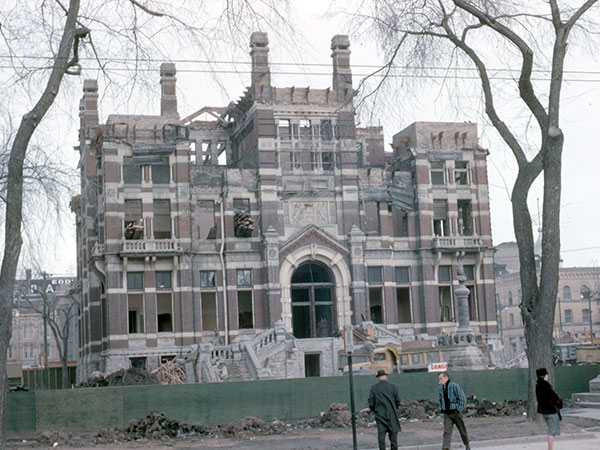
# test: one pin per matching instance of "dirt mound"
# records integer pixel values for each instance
(123, 377)
(337, 416)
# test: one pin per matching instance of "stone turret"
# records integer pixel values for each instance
(261, 74)
(342, 75)
(168, 98)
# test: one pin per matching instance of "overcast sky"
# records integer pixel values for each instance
(580, 211)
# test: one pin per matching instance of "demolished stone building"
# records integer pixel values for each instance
(258, 235)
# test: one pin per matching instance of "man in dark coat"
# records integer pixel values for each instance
(384, 401)
(548, 404)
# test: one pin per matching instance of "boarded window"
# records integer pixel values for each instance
(164, 312)
(206, 218)
(403, 301)
(209, 311)
(132, 173)
(162, 219)
(372, 218)
(207, 278)
(160, 173)
(135, 281)
(135, 309)
(245, 309)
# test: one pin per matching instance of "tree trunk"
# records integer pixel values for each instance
(14, 196)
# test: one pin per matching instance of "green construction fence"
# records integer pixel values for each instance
(209, 403)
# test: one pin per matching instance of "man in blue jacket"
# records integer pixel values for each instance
(452, 402)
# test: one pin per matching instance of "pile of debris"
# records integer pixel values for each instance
(418, 409)
(243, 224)
(123, 377)
(476, 407)
(157, 426)
(171, 372)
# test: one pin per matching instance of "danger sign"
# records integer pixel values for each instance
(437, 367)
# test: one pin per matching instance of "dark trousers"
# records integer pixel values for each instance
(382, 430)
(451, 419)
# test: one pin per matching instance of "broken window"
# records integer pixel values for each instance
(465, 218)
(193, 152)
(135, 310)
(245, 319)
(437, 172)
(327, 160)
(243, 224)
(207, 278)
(305, 129)
(461, 173)
(134, 224)
(446, 304)
(135, 281)
(440, 218)
(162, 219)
(312, 365)
(163, 279)
(138, 363)
(205, 214)
(244, 277)
(222, 153)
(164, 312)
(132, 173)
(403, 302)
(209, 311)
(284, 129)
(376, 304)
(326, 130)
(399, 221)
(160, 172)
(206, 152)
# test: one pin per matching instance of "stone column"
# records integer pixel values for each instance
(357, 270)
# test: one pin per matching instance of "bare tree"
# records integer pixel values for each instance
(483, 35)
(59, 313)
(44, 41)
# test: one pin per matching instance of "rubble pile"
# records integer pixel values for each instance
(171, 372)
(123, 377)
(418, 409)
(337, 416)
(157, 425)
(476, 407)
(249, 426)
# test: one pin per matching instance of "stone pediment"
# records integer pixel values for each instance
(313, 235)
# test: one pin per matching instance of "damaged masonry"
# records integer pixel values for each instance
(244, 244)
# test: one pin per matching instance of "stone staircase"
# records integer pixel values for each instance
(235, 371)
(589, 399)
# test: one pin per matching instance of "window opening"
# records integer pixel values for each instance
(162, 219)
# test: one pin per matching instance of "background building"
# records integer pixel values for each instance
(578, 294)
(259, 233)
(27, 341)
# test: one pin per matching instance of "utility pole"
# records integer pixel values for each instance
(45, 313)
(348, 348)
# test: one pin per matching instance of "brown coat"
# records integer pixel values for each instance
(548, 401)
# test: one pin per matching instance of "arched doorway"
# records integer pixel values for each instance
(312, 292)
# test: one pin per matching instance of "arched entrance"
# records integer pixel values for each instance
(312, 295)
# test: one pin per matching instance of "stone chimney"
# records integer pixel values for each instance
(168, 98)
(342, 75)
(261, 74)
(88, 106)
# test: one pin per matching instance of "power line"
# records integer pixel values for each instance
(298, 64)
(389, 75)
(580, 249)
